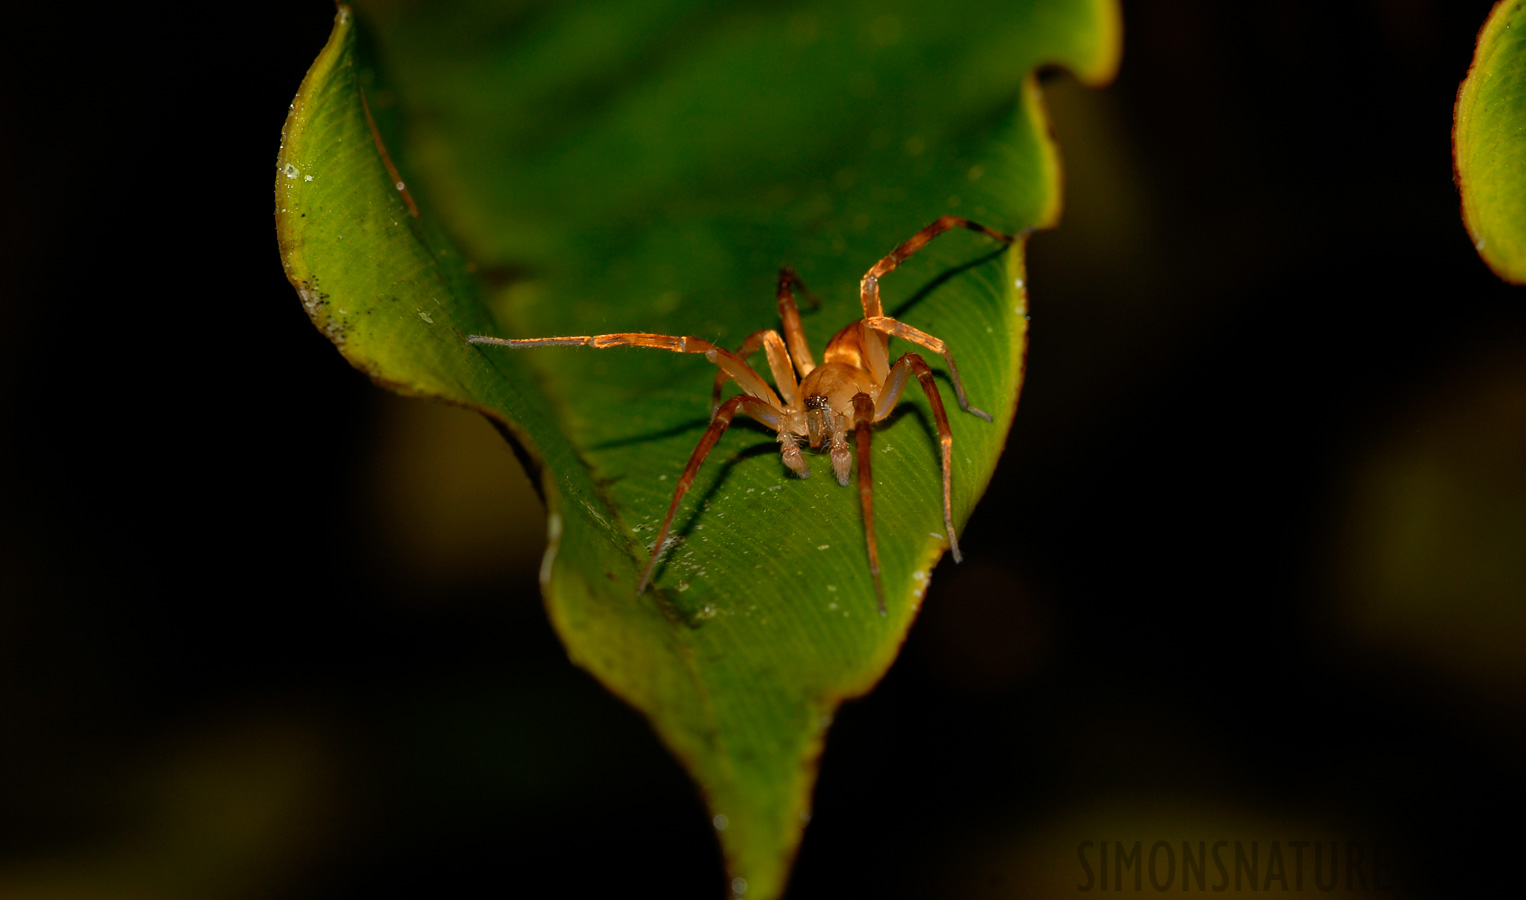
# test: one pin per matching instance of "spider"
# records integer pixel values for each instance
(853, 387)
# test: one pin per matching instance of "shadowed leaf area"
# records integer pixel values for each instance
(650, 166)
(1489, 142)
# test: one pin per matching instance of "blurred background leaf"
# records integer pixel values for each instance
(1489, 142)
(1260, 338)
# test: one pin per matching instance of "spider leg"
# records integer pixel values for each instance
(889, 326)
(869, 288)
(729, 362)
(752, 406)
(890, 394)
(863, 417)
(789, 315)
(778, 364)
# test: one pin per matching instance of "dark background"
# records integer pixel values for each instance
(1251, 566)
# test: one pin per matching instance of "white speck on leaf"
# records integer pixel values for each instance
(553, 541)
(604, 523)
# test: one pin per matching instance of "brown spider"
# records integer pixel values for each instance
(853, 387)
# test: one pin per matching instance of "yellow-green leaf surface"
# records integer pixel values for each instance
(1489, 142)
(649, 166)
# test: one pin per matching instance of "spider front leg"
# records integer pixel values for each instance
(759, 401)
(869, 288)
(789, 317)
(764, 412)
(874, 313)
(787, 354)
(778, 364)
(889, 326)
(890, 394)
(730, 363)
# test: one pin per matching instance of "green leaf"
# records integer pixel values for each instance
(1489, 142)
(649, 166)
